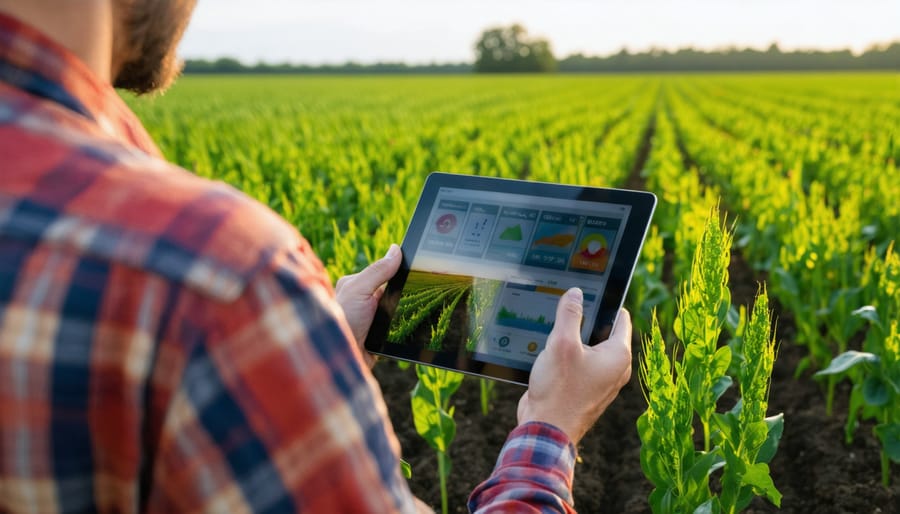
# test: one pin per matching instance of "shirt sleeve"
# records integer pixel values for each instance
(533, 474)
(274, 410)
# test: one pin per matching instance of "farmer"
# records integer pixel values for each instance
(169, 345)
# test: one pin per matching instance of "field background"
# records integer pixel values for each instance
(806, 164)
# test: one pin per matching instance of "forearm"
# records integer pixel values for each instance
(534, 473)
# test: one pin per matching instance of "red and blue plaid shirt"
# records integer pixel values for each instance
(168, 344)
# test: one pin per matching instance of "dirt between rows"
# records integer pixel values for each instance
(814, 470)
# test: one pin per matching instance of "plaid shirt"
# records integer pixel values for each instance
(168, 344)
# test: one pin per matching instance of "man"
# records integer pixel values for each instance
(169, 345)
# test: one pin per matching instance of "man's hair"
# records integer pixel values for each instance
(148, 32)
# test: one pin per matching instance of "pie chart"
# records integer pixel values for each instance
(445, 223)
(593, 246)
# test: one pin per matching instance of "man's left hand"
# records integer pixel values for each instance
(358, 295)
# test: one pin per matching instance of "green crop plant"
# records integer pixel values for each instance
(679, 474)
(433, 416)
(881, 286)
(817, 278)
(875, 373)
(488, 393)
(746, 438)
(439, 331)
(739, 442)
(703, 308)
(878, 392)
(648, 292)
(807, 163)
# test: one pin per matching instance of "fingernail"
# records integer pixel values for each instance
(576, 294)
(392, 252)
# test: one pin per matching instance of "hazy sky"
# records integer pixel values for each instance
(333, 31)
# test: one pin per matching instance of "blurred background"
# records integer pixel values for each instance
(541, 35)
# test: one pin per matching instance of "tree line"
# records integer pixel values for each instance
(512, 50)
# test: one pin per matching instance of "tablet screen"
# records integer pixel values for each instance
(508, 258)
(485, 268)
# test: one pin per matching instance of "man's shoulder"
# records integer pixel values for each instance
(110, 201)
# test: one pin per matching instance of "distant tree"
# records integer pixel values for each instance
(229, 65)
(509, 49)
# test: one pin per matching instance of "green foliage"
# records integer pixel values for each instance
(406, 469)
(703, 306)
(433, 416)
(648, 292)
(487, 395)
(684, 59)
(806, 164)
(678, 472)
(816, 275)
(740, 60)
(740, 442)
(747, 439)
(876, 373)
(439, 331)
(510, 49)
(876, 392)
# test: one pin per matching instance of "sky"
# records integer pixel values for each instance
(335, 31)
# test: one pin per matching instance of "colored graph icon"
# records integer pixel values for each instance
(593, 246)
(592, 253)
(445, 223)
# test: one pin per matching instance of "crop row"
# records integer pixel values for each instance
(805, 167)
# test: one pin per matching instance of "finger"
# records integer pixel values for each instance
(626, 377)
(378, 293)
(621, 333)
(422, 507)
(615, 352)
(567, 327)
(377, 273)
(343, 281)
(368, 358)
(520, 409)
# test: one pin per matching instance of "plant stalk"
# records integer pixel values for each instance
(487, 389)
(706, 436)
(442, 473)
(829, 400)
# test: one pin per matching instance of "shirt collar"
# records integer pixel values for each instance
(32, 62)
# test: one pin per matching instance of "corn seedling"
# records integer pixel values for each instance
(433, 416)
(879, 391)
(875, 373)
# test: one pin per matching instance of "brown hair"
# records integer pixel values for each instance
(145, 42)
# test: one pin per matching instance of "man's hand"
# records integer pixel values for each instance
(572, 384)
(358, 295)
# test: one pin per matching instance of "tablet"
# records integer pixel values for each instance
(485, 261)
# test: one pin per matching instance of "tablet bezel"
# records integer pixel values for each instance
(642, 205)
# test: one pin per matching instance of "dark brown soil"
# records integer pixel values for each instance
(815, 471)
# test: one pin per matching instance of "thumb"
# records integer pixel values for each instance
(379, 272)
(567, 327)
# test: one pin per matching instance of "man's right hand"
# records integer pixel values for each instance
(572, 384)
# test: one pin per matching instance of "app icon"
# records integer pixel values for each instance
(593, 246)
(532, 347)
(593, 251)
(445, 223)
(503, 342)
(512, 233)
(560, 240)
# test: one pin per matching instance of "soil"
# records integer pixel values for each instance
(814, 469)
